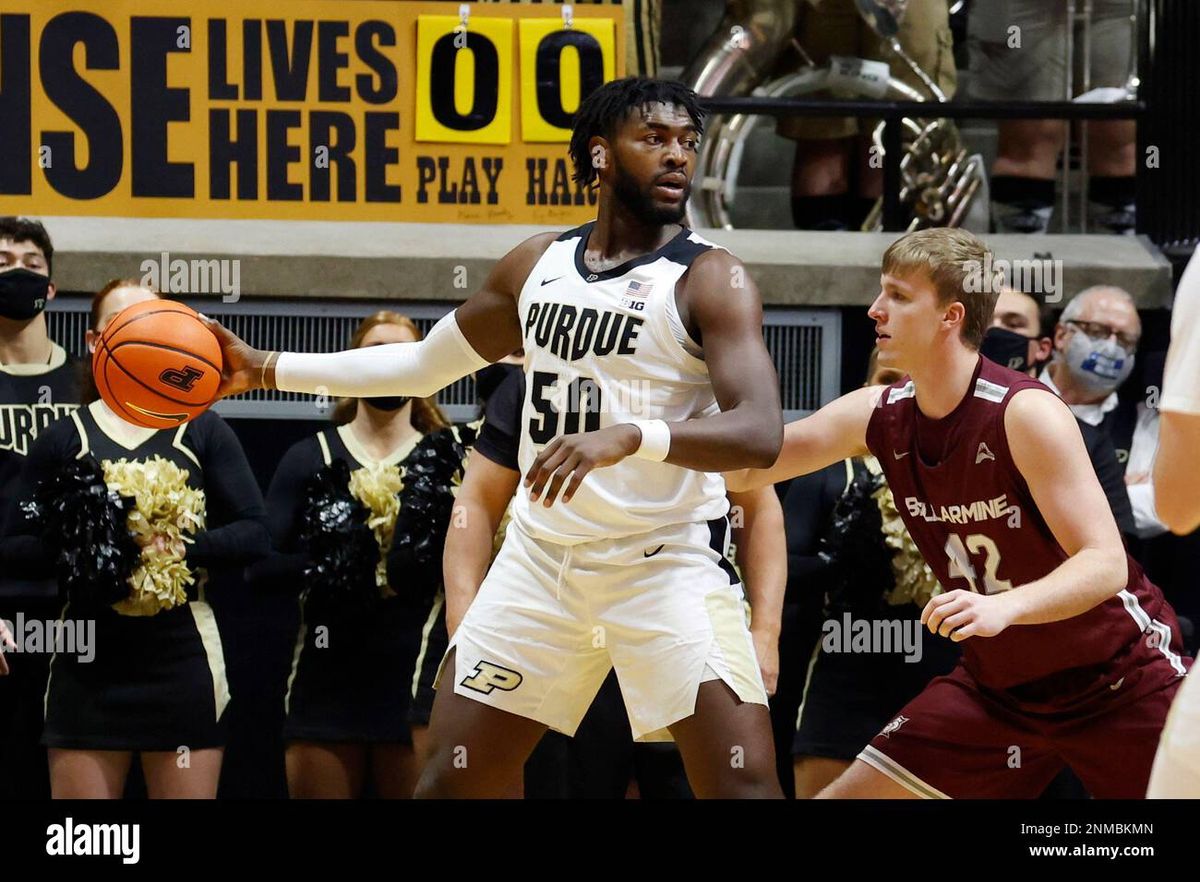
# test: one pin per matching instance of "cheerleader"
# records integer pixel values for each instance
(130, 519)
(358, 515)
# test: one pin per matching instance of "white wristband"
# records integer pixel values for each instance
(656, 440)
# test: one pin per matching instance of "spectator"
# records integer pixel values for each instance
(39, 382)
(834, 185)
(1094, 346)
(1018, 51)
(1018, 340)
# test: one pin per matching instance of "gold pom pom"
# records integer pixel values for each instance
(164, 506)
(915, 581)
(378, 488)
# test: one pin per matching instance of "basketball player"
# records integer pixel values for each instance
(1070, 655)
(1177, 500)
(39, 383)
(647, 374)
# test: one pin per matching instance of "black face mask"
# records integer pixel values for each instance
(488, 379)
(23, 293)
(388, 402)
(1007, 348)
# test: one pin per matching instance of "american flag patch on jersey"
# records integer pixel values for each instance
(636, 294)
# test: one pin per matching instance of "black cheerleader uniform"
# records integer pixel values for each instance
(154, 678)
(352, 671)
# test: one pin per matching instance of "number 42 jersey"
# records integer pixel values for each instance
(977, 525)
(604, 348)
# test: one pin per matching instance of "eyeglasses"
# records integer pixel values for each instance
(1101, 331)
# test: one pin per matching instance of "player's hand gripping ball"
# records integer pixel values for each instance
(156, 364)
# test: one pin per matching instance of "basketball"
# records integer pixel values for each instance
(157, 365)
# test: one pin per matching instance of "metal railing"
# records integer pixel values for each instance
(892, 112)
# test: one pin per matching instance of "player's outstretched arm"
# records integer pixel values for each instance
(484, 329)
(835, 432)
(1048, 450)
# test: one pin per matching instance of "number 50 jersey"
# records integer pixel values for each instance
(604, 348)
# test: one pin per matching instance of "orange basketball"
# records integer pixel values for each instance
(156, 365)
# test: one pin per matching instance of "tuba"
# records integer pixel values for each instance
(939, 179)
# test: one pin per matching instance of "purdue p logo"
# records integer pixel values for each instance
(488, 676)
(182, 380)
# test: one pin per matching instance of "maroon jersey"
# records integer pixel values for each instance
(975, 521)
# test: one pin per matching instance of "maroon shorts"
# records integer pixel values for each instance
(955, 740)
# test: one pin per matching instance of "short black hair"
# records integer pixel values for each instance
(601, 112)
(24, 229)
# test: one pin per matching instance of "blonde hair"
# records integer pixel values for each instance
(955, 262)
(426, 415)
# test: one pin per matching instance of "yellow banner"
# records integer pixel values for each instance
(310, 110)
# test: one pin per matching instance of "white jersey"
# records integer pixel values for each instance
(603, 349)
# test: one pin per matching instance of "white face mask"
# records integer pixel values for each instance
(1099, 366)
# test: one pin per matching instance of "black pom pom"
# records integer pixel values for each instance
(854, 547)
(414, 564)
(86, 523)
(343, 553)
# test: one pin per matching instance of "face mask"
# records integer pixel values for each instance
(1007, 348)
(1098, 366)
(388, 402)
(489, 378)
(23, 293)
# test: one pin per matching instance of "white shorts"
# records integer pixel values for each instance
(550, 621)
(1176, 772)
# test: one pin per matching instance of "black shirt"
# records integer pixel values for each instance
(500, 438)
